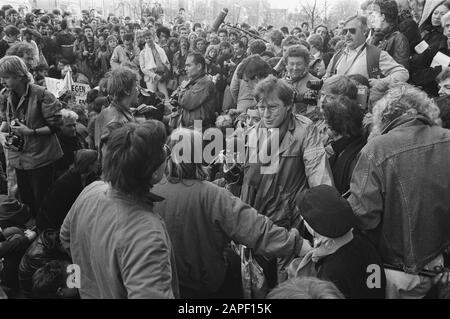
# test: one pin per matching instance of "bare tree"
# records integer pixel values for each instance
(312, 10)
(342, 10)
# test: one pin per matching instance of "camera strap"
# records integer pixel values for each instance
(354, 60)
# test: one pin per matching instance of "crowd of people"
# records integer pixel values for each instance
(357, 117)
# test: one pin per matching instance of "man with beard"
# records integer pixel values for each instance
(86, 54)
(406, 155)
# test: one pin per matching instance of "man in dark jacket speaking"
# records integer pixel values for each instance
(198, 97)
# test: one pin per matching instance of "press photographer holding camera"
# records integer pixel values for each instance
(30, 119)
(298, 76)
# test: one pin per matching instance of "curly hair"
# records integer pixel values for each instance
(306, 288)
(344, 116)
(20, 49)
(402, 99)
(276, 36)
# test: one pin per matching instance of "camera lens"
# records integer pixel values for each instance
(314, 85)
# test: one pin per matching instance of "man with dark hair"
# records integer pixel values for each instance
(198, 98)
(86, 53)
(248, 73)
(126, 52)
(305, 28)
(223, 35)
(12, 16)
(11, 36)
(233, 36)
(163, 34)
(50, 282)
(130, 241)
(298, 75)
(64, 39)
(25, 51)
(383, 18)
(257, 47)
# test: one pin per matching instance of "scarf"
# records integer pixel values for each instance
(155, 59)
(323, 247)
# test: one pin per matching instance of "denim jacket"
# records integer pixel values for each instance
(400, 192)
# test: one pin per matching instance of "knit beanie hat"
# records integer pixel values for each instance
(326, 211)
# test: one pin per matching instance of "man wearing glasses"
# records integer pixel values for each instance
(358, 57)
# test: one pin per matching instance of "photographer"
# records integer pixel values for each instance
(297, 67)
(85, 53)
(30, 119)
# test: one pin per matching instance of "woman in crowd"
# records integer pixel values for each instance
(344, 119)
(423, 72)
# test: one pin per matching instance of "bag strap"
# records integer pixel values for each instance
(373, 62)
(336, 58)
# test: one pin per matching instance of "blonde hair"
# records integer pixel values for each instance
(14, 66)
(69, 114)
(445, 18)
(306, 288)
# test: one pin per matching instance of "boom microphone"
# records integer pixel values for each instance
(220, 19)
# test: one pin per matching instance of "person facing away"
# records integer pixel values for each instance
(126, 252)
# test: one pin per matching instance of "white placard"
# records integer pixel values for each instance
(55, 86)
(440, 59)
(421, 47)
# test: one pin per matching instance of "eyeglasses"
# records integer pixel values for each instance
(352, 31)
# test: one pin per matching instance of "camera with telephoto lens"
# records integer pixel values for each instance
(174, 101)
(315, 85)
(311, 97)
(13, 141)
(363, 96)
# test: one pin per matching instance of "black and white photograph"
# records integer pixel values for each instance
(228, 155)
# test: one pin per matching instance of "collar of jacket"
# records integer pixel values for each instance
(340, 145)
(286, 136)
(388, 31)
(407, 120)
(146, 200)
(116, 105)
(24, 95)
(197, 78)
